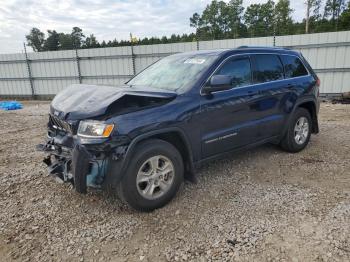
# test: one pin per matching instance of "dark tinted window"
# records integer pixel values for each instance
(267, 68)
(239, 70)
(293, 67)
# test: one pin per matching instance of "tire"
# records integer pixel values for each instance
(290, 142)
(147, 154)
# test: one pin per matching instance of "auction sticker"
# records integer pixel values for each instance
(196, 61)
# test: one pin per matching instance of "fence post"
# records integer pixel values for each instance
(133, 59)
(77, 58)
(274, 30)
(197, 39)
(29, 72)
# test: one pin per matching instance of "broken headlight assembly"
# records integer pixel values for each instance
(94, 129)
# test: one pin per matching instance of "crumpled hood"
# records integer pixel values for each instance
(81, 101)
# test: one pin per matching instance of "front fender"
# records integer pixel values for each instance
(121, 162)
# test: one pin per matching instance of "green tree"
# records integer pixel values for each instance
(259, 19)
(313, 15)
(77, 37)
(52, 42)
(344, 20)
(103, 44)
(333, 9)
(219, 20)
(283, 18)
(164, 40)
(144, 41)
(195, 21)
(235, 15)
(215, 19)
(65, 42)
(115, 43)
(36, 39)
(91, 42)
(316, 9)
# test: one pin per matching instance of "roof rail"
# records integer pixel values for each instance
(250, 46)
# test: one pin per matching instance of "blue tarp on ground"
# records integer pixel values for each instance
(10, 105)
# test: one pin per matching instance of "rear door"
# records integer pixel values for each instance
(252, 111)
(300, 77)
(268, 75)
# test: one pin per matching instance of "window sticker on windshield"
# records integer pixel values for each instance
(196, 61)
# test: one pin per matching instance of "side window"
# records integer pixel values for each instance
(239, 69)
(293, 67)
(267, 68)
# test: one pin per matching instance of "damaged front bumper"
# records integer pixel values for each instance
(84, 163)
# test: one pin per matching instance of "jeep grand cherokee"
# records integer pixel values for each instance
(141, 140)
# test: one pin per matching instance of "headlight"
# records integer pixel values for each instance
(94, 129)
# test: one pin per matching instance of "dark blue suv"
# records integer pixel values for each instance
(143, 139)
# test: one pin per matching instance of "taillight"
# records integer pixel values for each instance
(318, 82)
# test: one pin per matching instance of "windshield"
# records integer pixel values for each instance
(174, 73)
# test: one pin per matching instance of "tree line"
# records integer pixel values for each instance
(219, 20)
(77, 40)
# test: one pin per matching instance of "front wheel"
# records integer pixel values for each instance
(299, 131)
(153, 177)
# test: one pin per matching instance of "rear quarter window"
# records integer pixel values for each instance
(293, 67)
(267, 68)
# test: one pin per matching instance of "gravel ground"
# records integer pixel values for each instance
(260, 205)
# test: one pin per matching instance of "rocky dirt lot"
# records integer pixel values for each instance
(261, 205)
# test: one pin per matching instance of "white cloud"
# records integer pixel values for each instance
(107, 19)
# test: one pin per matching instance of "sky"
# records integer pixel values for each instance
(106, 19)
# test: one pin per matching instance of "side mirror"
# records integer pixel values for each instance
(218, 83)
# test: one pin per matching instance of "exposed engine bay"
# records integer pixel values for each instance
(85, 162)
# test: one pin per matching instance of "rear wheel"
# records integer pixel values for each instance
(153, 177)
(299, 131)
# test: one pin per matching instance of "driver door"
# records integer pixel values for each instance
(227, 115)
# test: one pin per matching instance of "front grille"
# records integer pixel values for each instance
(59, 124)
